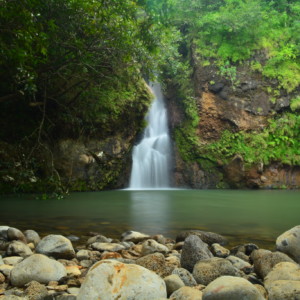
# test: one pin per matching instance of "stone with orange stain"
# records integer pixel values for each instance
(111, 255)
(110, 279)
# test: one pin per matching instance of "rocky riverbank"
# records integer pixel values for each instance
(197, 265)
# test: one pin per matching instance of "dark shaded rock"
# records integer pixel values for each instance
(194, 250)
(207, 237)
(216, 88)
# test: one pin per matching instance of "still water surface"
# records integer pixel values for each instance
(242, 216)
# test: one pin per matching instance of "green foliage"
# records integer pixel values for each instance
(278, 142)
(295, 103)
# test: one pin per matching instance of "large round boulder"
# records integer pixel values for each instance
(37, 267)
(109, 279)
(289, 243)
(231, 288)
(56, 246)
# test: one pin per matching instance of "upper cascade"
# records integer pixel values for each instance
(151, 158)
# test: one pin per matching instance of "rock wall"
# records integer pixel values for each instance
(243, 105)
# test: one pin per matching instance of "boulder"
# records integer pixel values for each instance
(15, 234)
(193, 250)
(283, 271)
(56, 246)
(134, 236)
(185, 276)
(186, 293)
(37, 267)
(155, 262)
(18, 248)
(152, 246)
(207, 237)
(109, 279)
(32, 236)
(173, 283)
(284, 290)
(231, 288)
(206, 271)
(289, 243)
(265, 260)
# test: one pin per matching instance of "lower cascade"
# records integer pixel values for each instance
(151, 158)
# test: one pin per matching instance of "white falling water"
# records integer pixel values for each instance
(151, 157)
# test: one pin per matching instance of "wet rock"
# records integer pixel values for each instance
(284, 290)
(110, 280)
(186, 293)
(173, 283)
(231, 288)
(1, 260)
(36, 291)
(208, 270)
(15, 234)
(37, 267)
(113, 247)
(56, 246)
(265, 260)
(207, 237)
(134, 236)
(219, 251)
(240, 264)
(98, 239)
(152, 246)
(18, 248)
(194, 250)
(155, 262)
(12, 260)
(111, 255)
(185, 276)
(283, 271)
(32, 236)
(289, 243)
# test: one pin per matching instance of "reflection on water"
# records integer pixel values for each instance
(149, 208)
(243, 216)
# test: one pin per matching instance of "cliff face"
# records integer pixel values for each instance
(243, 104)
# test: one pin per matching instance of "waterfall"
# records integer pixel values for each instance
(152, 156)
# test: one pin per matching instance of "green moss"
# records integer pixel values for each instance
(279, 141)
